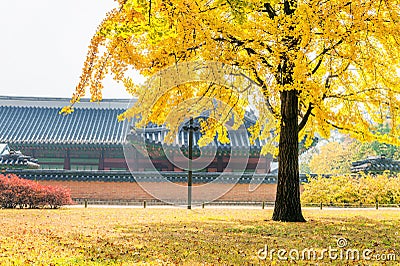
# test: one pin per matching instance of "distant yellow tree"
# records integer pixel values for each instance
(317, 65)
(361, 189)
(334, 158)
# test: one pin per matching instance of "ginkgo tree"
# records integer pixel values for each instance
(317, 65)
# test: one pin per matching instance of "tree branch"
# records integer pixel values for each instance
(318, 65)
(324, 51)
(150, 13)
(268, 9)
(264, 87)
(306, 116)
(250, 51)
(344, 128)
(354, 93)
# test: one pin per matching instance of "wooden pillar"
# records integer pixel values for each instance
(101, 160)
(269, 160)
(136, 157)
(132, 162)
(262, 162)
(220, 163)
(67, 160)
(170, 166)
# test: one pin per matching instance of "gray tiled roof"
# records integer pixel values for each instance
(376, 164)
(36, 121)
(44, 125)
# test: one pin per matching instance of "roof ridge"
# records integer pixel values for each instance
(57, 99)
(103, 108)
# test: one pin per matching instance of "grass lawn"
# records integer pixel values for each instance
(168, 236)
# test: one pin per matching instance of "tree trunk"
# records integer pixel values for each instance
(287, 202)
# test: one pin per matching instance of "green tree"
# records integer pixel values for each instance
(377, 148)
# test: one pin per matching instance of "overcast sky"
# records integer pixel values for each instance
(43, 45)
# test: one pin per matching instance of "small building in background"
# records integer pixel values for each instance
(11, 159)
(376, 165)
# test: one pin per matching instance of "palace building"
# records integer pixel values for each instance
(91, 138)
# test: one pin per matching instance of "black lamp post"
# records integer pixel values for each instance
(191, 128)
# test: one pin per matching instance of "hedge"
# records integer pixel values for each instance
(361, 189)
(17, 192)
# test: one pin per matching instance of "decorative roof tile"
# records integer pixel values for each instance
(155, 135)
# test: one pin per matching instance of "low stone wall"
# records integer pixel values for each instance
(131, 191)
(114, 186)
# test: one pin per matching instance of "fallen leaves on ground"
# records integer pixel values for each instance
(165, 236)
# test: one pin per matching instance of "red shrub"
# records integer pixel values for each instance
(15, 191)
(56, 196)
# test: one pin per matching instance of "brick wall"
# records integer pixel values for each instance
(132, 191)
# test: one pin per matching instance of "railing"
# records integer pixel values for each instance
(158, 203)
(126, 176)
(376, 205)
(256, 204)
